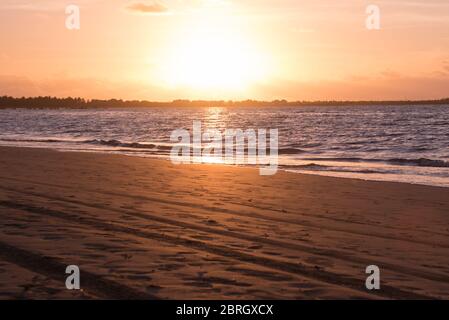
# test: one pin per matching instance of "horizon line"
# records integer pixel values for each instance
(6, 100)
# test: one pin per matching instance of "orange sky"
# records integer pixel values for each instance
(225, 49)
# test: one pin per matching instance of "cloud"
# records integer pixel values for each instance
(446, 66)
(154, 7)
(26, 5)
(41, 5)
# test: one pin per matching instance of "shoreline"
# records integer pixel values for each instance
(148, 228)
(280, 168)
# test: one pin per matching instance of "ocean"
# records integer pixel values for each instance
(386, 143)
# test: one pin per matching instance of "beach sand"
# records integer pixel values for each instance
(147, 229)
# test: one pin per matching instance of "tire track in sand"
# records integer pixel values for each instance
(288, 267)
(256, 215)
(55, 269)
(336, 254)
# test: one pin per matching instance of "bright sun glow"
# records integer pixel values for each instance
(214, 57)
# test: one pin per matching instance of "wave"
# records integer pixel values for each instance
(40, 140)
(421, 162)
(319, 167)
(118, 143)
(163, 148)
(111, 143)
(290, 151)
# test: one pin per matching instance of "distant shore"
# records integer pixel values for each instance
(80, 103)
(147, 229)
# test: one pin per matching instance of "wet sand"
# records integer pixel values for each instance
(146, 229)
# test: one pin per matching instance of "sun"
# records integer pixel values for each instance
(214, 57)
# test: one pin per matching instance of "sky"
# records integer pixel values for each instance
(225, 49)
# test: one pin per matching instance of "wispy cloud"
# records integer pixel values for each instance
(25, 5)
(145, 8)
(175, 6)
(42, 5)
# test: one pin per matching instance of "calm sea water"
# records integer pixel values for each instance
(396, 143)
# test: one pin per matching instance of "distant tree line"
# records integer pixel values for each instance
(79, 103)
